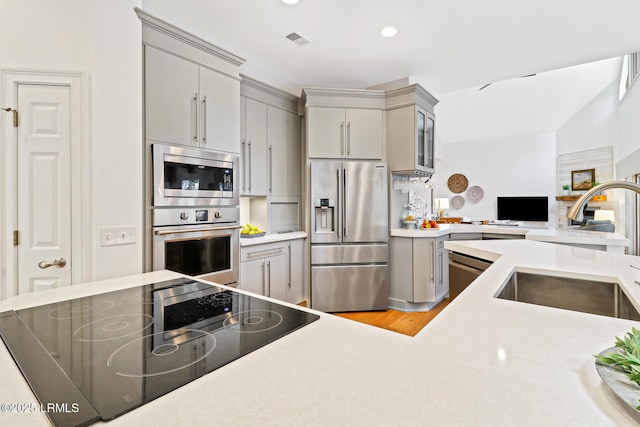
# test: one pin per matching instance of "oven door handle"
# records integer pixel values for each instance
(191, 230)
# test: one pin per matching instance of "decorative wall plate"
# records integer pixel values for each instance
(475, 193)
(457, 183)
(457, 202)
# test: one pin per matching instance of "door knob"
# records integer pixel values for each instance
(58, 262)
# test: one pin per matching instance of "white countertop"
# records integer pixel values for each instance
(481, 362)
(270, 238)
(558, 235)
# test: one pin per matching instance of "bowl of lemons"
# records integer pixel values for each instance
(249, 230)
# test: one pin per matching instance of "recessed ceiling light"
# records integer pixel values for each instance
(388, 31)
(290, 1)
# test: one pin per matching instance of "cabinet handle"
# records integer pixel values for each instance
(195, 116)
(244, 168)
(441, 267)
(266, 251)
(204, 120)
(432, 264)
(249, 168)
(289, 269)
(268, 279)
(270, 168)
(341, 137)
(348, 139)
(262, 267)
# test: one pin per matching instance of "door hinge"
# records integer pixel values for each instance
(16, 237)
(15, 115)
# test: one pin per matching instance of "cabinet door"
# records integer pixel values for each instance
(430, 143)
(424, 270)
(295, 292)
(326, 132)
(254, 150)
(441, 264)
(171, 98)
(283, 153)
(276, 276)
(421, 125)
(219, 111)
(252, 276)
(363, 134)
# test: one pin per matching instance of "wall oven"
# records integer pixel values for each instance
(184, 176)
(202, 242)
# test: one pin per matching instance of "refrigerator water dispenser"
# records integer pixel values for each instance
(325, 220)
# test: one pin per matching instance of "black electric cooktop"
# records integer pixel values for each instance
(98, 357)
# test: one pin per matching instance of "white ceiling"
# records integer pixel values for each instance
(522, 106)
(446, 46)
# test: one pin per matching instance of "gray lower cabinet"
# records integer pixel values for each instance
(274, 270)
(265, 276)
(419, 269)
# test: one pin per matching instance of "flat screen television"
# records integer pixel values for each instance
(523, 208)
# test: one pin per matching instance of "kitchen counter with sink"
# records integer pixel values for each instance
(483, 361)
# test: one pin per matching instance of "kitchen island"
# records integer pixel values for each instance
(481, 362)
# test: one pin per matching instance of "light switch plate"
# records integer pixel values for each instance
(112, 236)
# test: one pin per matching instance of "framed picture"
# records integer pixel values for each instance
(583, 179)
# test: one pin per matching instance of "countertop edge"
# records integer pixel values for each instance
(539, 234)
(271, 238)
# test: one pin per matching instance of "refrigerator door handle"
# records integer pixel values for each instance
(345, 219)
(339, 207)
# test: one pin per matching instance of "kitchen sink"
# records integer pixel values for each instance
(586, 296)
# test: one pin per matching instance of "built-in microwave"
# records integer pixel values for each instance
(184, 176)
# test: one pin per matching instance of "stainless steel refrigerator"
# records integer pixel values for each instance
(349, 236)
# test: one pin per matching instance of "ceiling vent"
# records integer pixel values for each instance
(298, 39)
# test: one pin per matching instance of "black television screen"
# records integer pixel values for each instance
(523, 208)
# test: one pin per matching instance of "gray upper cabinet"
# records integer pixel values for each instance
(270, 141)
(171, 89)
(344, 123)
(219, 106)
(349, 133)
(283, 153)
(254, 147)
(411, 126)
(191, 89)
(189, 104)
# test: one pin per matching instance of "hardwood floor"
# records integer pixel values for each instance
(396, 321)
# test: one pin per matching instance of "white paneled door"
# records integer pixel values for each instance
(43, 183)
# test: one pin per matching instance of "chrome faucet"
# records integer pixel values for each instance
(575, 213)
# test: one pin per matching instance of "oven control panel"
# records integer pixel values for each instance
(185, 216)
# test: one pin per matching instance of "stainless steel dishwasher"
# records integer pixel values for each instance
(464, 269)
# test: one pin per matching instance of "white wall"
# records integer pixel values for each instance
(628, 121)
(102, 39)
(117, 148)
(606, 120)
(594, 126)
(516, 166)
(603, 122)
